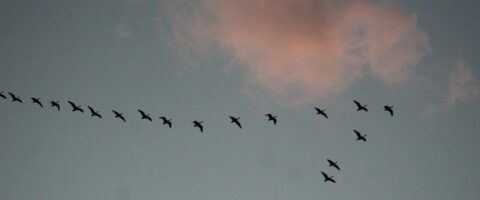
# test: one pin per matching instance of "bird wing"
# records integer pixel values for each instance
(238, 124)
(91, 109)
(72, 104)
(357, 103)
(325, 175)
(201, 128)
(142, 113)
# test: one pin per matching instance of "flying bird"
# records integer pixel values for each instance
(94, 113)
(144, 115)
(37, 101)
(360, 136)
(327, 178)
(198, 124)
(333, 164)
(360, 106)
(388, 109)
(235, 120)
(321, 112)
(119, 115)
(271, 118)
(55, 104)
(2, 95)
(75, 107)
(166, 121)
(15, 98)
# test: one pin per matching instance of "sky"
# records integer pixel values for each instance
(206, 60)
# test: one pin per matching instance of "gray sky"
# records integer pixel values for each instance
(210, 59)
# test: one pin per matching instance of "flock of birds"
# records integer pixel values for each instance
(199, 124)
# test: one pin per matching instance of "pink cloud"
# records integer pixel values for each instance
(462, 85)
(305, 50)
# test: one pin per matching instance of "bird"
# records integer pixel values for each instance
(94, 113)
(360, 106)
(75, 107)
(360, 136)
(166, 121)
(271, 118)
(333, 164)
(2, 95)
(144, 115)
(235, 120)
(37, 101)
(388, 109)
(199, 125)
(327, 178)
(321, 112)
(119, 115)
(15, 98)
(55, 104)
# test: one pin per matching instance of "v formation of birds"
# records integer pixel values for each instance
(199, 124)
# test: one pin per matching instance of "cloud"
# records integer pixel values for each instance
(304, 50)
(123, 32)
(461, 87)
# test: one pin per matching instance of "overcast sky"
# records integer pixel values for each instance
(208, 59)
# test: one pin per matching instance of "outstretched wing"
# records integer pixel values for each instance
(142, 113)
(357, 103)
(91, 109)
(72, 104)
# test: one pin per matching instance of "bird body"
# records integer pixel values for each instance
(94, 113)
(321, 112)
(360, 136)
(55, 104)
(119, 115)
(235, 120)
(333, 164)
(37, 101)
(198, 124)
(145, 115)
(389, 109)
(271, 118)
(360, 106)
(15, 98)
(166, 121)
(327, 178)
(75, 107)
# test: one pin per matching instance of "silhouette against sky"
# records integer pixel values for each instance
(178, 94)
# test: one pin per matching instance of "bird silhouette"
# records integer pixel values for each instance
(3, 95)
(15, 98)
(119, 115)
(55, 104)
(321, 112)
(333, 164)
(388, 109)
(271, 118)
(360, 106)
(75, 107)
(166, 121)
(235, 120)
(37, 101)
(94, 113)
(144, 115)
(327, 178)
(360, 136)
(199, 125)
